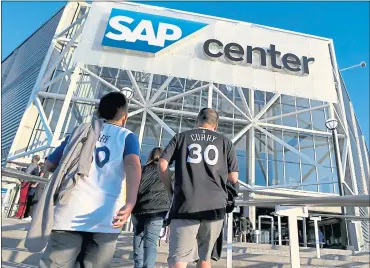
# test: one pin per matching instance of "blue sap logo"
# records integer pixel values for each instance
(146, 32)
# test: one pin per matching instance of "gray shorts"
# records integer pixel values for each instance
(192, 240)
(69, 249)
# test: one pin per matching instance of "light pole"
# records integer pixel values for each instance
(332, 125)
(361, 64)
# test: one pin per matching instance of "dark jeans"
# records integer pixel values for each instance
(147, 229)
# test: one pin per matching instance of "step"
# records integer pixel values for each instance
(244, 254)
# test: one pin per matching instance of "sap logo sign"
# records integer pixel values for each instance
(146, 32)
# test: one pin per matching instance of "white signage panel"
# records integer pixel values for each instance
(174, 43)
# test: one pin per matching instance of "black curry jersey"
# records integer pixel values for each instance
(203, 158)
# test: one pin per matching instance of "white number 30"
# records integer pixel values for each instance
(195, 155)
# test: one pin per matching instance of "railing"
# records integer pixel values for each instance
(333, 201)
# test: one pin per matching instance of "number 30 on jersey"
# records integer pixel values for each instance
(196, 155)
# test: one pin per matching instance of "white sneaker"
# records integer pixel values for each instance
(29, 218)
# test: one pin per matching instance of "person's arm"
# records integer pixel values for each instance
(232, 164)
(131, 161)
(167, 158)
(54, 158)
(165, 175)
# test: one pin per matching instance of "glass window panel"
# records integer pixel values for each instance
(226, 129)
(224, 108)
(274, 110)
(242, 161)
(292, 173)
(306, 147)
(292, 140)
(302, 103)
(322, 151)
(326, 188)
(276, 173)
(152, 132)
(144, 153)
(309, 176)
(174, 124)
(260, 172)
(259, 101)
(315, 103)
(327, 174)
(241, 146)
(260, 142)
(304, 120)
(192, 103)
(274, 148)
(289, 120)
(134, 122)
(318, 120)
(187, 124)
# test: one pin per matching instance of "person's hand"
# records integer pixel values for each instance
(122, 215)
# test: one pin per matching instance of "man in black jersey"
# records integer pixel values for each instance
(204, 161)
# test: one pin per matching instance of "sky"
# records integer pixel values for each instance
(347, 23)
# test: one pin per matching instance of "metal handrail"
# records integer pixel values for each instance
(332, 201)
(20, 175)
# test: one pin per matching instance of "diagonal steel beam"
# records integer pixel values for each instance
(241, 133)
(293, 113)
(179, 95)
(61, 55)
(303, 130)
(163, 124)
(267, 106)
(232, 104)
(244, 101)
(135, 85)
(288, 146)
(44, 120)
(71, 26)
(108, 84)
(59, 77)
(160, 90)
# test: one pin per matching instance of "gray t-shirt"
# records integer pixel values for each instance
(33, 169)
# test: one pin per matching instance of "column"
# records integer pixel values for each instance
(304, 232)
(279, 229)
(295, 261)
(317, 241)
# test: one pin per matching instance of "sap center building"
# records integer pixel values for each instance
(274, 90)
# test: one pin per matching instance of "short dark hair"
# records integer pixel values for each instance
(36, 158)
(207, 116)
(110, 104)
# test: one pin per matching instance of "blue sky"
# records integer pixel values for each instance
(347, 23)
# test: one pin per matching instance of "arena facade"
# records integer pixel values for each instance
(274, 91)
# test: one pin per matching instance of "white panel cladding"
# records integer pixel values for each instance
(20, 71)
(318, 84)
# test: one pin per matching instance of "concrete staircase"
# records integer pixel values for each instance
(14, 253)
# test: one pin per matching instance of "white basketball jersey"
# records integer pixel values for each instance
(95, 200)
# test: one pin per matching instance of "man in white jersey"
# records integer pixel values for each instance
(86, 227)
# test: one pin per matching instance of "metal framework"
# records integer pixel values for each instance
(72, 90)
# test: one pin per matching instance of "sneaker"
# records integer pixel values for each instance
(29, 218)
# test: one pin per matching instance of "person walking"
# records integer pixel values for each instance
(150, 210)
(27, 190)
(89, 219)
(204, 161)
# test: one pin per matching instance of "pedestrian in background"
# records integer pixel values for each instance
(150, 210)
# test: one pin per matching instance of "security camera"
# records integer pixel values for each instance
(363, 64)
